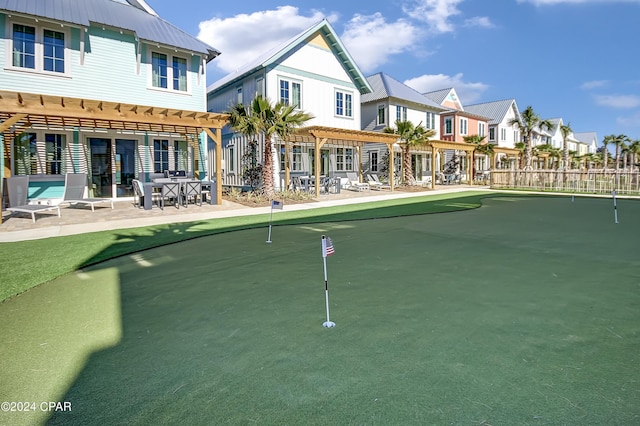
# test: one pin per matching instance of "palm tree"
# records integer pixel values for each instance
(619, 142)
(409, 136)
(481, 148)
(634, 150)
(263, 118)
(527, 123)
(605, 151)
(566, 130)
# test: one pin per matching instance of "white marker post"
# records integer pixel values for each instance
(327, 250)
(615, 207)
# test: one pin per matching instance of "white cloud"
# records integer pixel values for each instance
(371, 40)
(618, 101)
(479, 21)
(435, 13)
(631, 121)
(467, 91)
(588, 85)
(243, 37)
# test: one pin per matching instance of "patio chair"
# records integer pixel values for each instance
(18, 188)
(354, 182)
(170, 191)
(74, 184)
(138, 194)
(192, 190)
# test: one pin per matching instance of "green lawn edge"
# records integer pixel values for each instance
(34, 262)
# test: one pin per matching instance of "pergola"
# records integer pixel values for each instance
(509, 152)
(319, 136)
(443, 145)
(19, 111)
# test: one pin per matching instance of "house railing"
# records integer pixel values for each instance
(572, 181)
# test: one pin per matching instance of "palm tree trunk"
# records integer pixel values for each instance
(267, 175)
(407, 169)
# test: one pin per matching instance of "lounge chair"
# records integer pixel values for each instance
(74, 184)
(354, 183)
(18, 188)
(375, 180)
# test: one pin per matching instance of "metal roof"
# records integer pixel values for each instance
(495, 111)
(130, 16)
(586, 137)
(276, 54)
(438, 96)
(384, 87)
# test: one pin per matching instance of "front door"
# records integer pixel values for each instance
(125, 167)
(101, 176)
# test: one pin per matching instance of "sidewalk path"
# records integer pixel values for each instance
(124, 215)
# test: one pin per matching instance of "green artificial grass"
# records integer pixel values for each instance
(524, 311)
(34, 262)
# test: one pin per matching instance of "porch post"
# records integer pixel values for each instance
(316, 161)
(287, 166)
(434, 154)
(392, 173)
(216, 136)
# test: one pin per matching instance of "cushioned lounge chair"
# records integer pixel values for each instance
(18, 188)
(74, 184)
(354, 183)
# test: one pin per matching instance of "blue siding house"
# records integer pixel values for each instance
(105, 87)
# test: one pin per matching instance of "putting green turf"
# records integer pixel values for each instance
(524, 311)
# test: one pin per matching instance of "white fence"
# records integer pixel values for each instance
(581, 181)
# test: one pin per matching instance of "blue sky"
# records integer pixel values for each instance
(575, 59)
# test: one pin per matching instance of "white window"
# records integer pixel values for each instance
(381, 119)
(35, 154)
(448, 126)
(344, 159)
(168, 72)
(38, 49)
(503, 134)
(516, 136)
(430, 122)
(344, 104)
(401, 113)
(232, 159)
(291, 93)
(239, 95)
(260, 86)
(463, 126)
(481, 129)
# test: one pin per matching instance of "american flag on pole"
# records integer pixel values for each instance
(276, 205)
(328, 248)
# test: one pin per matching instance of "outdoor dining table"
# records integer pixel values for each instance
(159, 182)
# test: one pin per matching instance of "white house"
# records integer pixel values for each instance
(314, 72)
(391, 101)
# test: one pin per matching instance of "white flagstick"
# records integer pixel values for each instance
(270, 219)
(328, 323)
(615, 207)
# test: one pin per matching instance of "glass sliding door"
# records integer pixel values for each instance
(125, 167)
(100, 173)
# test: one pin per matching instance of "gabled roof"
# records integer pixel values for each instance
(586, 137)
(384, 86)
(438, 96)
(495, 111)
(130, 15)
(276, 54)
